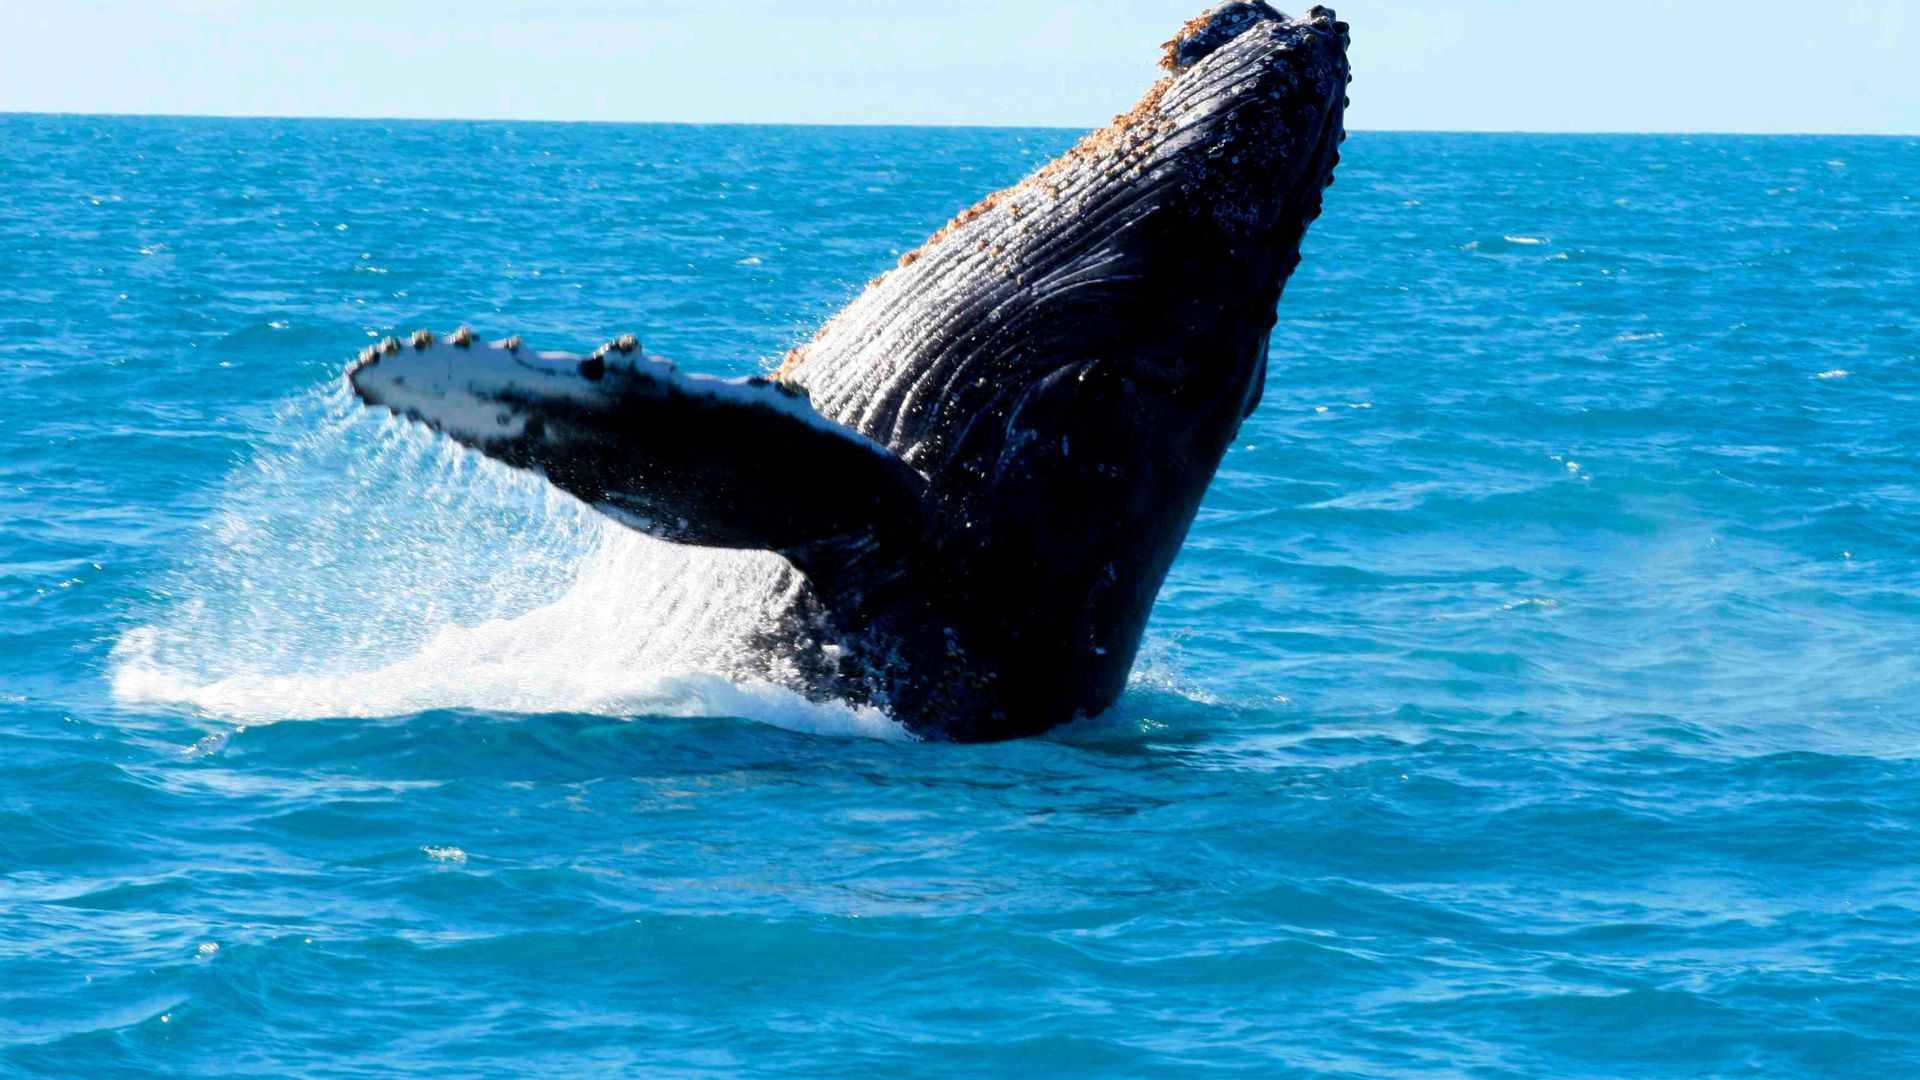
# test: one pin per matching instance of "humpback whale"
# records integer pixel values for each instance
(982, 469)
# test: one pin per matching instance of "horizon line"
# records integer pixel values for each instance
(969, 125)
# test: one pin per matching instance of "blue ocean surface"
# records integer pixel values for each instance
(1535, 696)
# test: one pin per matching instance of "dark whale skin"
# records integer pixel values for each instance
(1067, 363)
(1014, 427)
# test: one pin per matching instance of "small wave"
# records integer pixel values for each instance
(1534, 603)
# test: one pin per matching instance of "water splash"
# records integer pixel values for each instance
(364, 567)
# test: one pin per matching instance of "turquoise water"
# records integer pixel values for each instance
(1534, 697)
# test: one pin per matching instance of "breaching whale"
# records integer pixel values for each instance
(981, 470)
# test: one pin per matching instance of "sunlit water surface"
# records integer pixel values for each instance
(1535, 695)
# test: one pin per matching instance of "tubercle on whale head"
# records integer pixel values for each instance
(1220, 24)
(1212, 28)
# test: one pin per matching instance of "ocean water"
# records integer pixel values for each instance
(1536, 695)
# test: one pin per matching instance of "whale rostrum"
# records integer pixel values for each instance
(1006, 437)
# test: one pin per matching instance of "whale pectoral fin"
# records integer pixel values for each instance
(731, 463)
(745, 465)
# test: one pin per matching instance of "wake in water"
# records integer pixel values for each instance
(339, 578)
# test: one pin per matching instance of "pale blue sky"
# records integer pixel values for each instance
(1537, 65)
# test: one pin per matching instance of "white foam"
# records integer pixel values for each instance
(362, 568)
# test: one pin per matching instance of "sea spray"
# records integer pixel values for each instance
(362, 567)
